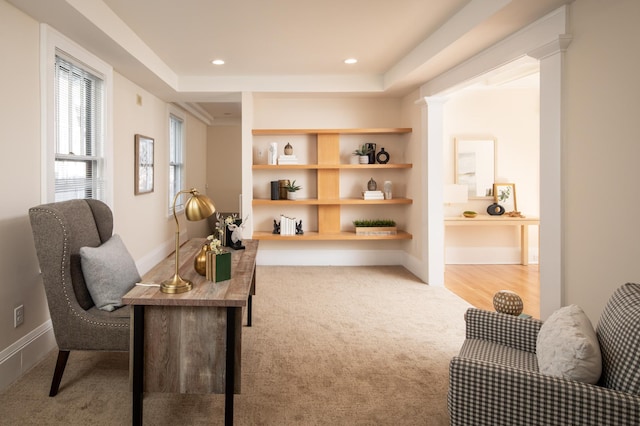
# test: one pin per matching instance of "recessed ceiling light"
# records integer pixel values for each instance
(350, 61)
(217, 62)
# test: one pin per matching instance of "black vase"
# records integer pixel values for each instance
(372, 152)
(495, 209)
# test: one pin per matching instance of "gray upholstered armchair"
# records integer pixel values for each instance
(495, 380)
(59, 231)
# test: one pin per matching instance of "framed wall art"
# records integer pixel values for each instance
(505, 195)
(143, 164)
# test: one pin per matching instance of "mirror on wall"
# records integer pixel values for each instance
(475, 165)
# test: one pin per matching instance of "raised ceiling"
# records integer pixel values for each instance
(284, 46)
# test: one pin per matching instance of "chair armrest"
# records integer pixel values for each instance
(509, 330)
(484, 393)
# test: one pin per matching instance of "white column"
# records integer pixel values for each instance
(432, 220)
(551, 57)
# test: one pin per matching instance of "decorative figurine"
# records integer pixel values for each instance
(288, 149)
(276, 227)
(372, 185)
(299, 230)
(233, 231)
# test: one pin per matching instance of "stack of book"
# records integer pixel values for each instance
(372, 195)
(287, 159)
(287, 225)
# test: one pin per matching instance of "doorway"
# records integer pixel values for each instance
(503, 107)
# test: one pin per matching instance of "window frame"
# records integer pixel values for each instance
(180, 115)
(55, 44)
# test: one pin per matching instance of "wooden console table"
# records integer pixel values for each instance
(487, 220)
(191, 342)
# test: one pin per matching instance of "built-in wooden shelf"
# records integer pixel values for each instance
(328, 170)
(356, 131)
(331, 166)
(338, 236)
(317, 202)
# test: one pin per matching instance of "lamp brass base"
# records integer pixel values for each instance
(176, 285)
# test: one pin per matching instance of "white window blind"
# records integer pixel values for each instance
(176, 165)
(79, 142)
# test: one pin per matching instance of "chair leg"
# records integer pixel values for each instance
(63, 356)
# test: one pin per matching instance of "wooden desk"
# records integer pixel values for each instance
(487, 220)
(191, 342)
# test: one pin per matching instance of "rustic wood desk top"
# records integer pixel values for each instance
(234, 292)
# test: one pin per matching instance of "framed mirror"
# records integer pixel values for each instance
(475, 165)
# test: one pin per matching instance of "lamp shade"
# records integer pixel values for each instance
(198, 207)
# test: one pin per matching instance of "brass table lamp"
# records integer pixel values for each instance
(197, 207)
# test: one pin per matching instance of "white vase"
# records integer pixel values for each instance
(292, 195)
(364, 159)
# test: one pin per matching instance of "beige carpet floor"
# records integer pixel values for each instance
(328, 346)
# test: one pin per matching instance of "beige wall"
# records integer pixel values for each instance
(142, 220)
(19, 174)
(601, 152)
(224, 174)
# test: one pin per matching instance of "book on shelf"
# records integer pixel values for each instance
(287, 159)
(372, 195)
(287, 225)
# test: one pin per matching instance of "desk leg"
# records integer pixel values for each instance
(524, 244)
(138, 363)
(230, 366)
(252, 291)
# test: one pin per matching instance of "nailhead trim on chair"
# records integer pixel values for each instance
(65, 255)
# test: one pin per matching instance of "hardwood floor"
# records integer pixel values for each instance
(478, 283)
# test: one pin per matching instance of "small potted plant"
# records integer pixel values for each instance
(292, 188)
(375, 227)
(362, 153)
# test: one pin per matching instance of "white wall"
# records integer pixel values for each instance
(142, 221)
(511, 116)
(601, 152)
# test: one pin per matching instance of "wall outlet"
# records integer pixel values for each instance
(18, 316)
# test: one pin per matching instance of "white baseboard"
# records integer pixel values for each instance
(329, 257)
(24, 354)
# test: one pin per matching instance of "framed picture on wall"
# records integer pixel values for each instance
(143, 164)
(505, 195)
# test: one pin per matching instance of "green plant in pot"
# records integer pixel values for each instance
(292, 188)
(375, 227)
(363, 153)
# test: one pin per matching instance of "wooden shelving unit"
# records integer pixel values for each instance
(328, 168)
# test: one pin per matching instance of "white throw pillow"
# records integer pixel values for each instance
(567, 346)
(109, 272)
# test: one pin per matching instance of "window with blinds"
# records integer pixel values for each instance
(79, 161)
(176, 165)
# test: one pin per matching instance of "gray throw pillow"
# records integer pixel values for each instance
(568, 347)
(109, 271)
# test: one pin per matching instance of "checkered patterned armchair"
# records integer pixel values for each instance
(495, 379)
